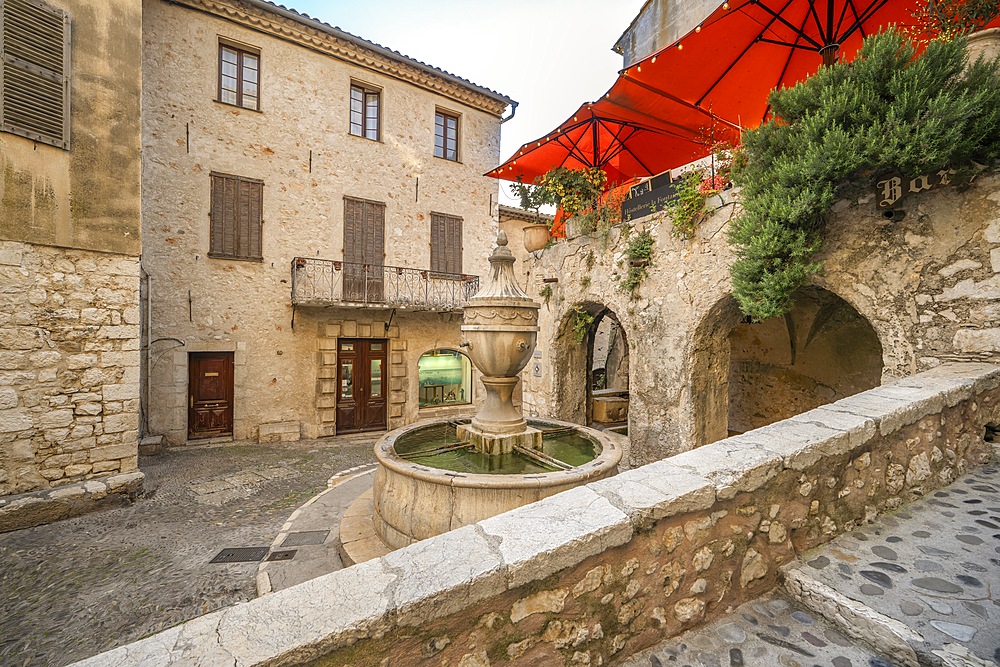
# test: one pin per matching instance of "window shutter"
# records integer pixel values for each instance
(352, 253)
(236, 217)
(378, 234)
(34, 87)
(446, 243)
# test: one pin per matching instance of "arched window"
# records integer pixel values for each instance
(445, 378)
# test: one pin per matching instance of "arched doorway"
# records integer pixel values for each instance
(747, 375)
(592, 367)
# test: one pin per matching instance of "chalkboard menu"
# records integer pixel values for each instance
(648, 197)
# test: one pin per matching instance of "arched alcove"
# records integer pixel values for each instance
(746, 375)
(591, 361)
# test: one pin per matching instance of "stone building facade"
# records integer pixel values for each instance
(69, 257)
(359, 231)
(896, 297)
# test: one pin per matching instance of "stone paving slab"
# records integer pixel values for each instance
(769, 632)
(74, 588)
(934, 565)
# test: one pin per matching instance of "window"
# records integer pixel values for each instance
(236, 217)
(239, 77)
(444, 378)
(35, 55)
(446, 243)
(446, 136)
(365, 104)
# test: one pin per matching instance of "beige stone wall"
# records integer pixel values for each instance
(69, 274)
(87, 197)
(69, 366)
(927, 285)
(299, 145)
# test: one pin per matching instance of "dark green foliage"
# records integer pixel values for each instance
(887, 111)
(638, 254)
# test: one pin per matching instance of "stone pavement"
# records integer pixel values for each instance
(77, 587)
(922, 583)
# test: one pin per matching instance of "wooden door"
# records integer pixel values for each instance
(362, 374)
(210, 394)
(364, 250)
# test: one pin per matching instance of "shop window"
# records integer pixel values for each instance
(445, 378)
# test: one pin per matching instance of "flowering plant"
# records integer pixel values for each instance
(947, 19)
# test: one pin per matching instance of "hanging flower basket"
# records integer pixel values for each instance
(536, 237)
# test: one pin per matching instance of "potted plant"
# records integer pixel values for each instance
(576, 192)
(536, 234)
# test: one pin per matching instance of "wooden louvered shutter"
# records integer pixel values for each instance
(236, 217)
(446, 243)
(35, 84)
(352, 231)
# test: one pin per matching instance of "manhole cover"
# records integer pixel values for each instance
(305, 537)
(240, 555)
(288, 554)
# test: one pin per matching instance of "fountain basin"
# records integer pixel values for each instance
(413, 501)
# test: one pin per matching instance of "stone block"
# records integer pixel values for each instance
(106, 466)
(8, 399)
(977, 341)
(113, 452)
(364, 331)
(12, 361)
(120, 332)
(11, 254)
(807, 438)
(734, 465)
(445, 574)
(398, 344)
(79, 361)
(656, 491)
(289, 619)
(349, 329)
(610, 409)
(331, 330)
(78, 469)
(88, 409)
(94, 316)
(327, 344)
(287, 431)
(542, 538)
(121, 422)
(13, 421)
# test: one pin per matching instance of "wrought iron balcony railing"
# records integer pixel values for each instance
(327, 282)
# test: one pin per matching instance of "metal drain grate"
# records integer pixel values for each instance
(305, 537)
(288, 554)
(240, 555)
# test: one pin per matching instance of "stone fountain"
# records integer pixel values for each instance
(439, 475)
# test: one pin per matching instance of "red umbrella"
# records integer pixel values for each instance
(732, 60)
(623, 141)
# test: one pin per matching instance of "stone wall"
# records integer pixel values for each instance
(605, 570)
(927, 286)
(309, 163)
(69, 366)
(69, 279)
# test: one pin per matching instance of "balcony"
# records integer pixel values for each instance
(327, 282)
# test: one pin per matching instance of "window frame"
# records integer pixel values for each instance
(446, 115)
(242, 50)
(467, 378)
(216, 253)
(32, 68)
(366, 91)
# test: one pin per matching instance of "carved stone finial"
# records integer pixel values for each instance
(502, 238)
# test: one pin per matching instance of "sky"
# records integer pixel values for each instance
(548, 55)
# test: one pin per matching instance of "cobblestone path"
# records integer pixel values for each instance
(75, 588)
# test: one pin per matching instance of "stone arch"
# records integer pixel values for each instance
(746, 375)
(574, 359)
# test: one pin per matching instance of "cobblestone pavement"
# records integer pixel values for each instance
(933, 566)
(75, 588)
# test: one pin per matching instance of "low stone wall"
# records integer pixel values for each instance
(604, 570)
(69, 366)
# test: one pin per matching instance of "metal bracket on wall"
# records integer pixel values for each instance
(293, 316)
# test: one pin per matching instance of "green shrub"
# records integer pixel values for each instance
(888, 111)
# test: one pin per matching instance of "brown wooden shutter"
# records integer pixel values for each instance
(35, 55)
(364, 231)
(352, 231)
(446, 243)
(236, 217)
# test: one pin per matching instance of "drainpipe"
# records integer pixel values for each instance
(513, 110)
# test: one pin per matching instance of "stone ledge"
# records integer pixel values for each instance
(41, 507)
(614, 529)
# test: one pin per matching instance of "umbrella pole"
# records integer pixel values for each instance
(829, 54)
